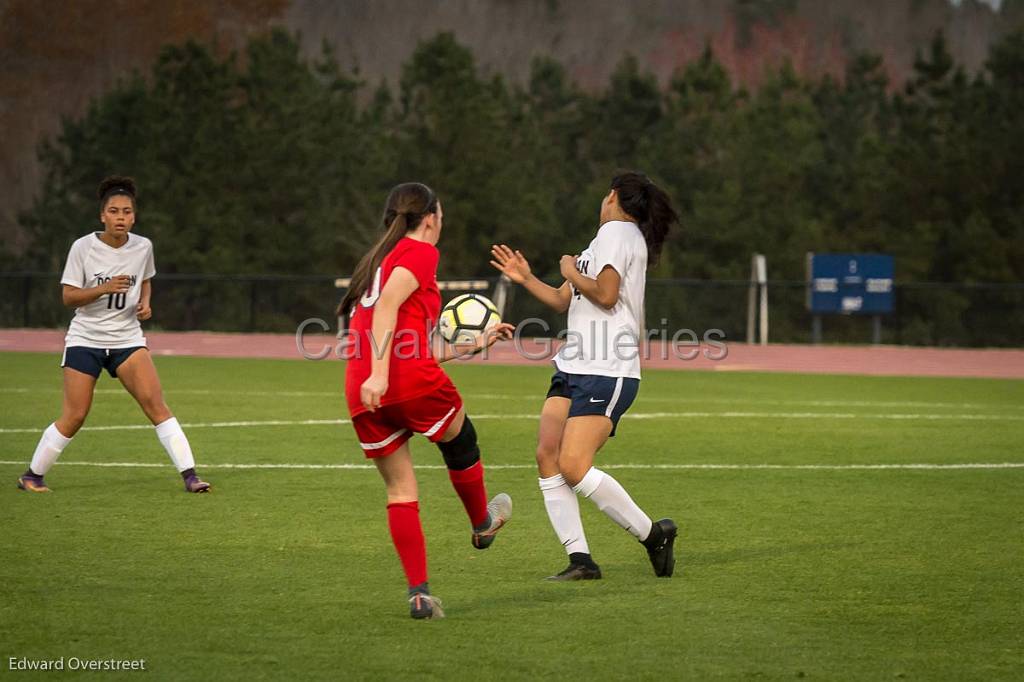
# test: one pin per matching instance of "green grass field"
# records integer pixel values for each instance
(817, 567)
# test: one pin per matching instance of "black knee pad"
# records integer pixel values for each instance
(462, 451)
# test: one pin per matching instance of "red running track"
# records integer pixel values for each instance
(871, 360)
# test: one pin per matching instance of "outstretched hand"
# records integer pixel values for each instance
(510, 263)
(503, 331)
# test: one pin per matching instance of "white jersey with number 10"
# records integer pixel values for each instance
(110, 321)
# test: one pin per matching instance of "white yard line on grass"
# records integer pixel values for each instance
(820, 415)
(201, 425)
(531, 415)
(838, 403)
(539, 396)
(666, 467)
(190, 391)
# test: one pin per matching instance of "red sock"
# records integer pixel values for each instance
(469, 484)
(407, 534)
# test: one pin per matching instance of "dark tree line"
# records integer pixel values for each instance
(269, 163)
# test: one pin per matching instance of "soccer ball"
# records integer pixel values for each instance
(466, 318)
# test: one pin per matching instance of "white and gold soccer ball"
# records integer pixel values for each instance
(466, 318)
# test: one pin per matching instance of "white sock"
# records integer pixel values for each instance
(564, 513)
(176, 444)
(613, 500)
(50, 446)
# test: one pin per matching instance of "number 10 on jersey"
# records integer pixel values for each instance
(117, 301)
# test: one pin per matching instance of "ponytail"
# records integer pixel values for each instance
(660, 216)
(650, 206)
(405, 208)
(369, 263)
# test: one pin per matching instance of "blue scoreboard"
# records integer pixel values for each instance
(850, 283)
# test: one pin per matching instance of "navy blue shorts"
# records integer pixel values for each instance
(94, 360)
(595, 395)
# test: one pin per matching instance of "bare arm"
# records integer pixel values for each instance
(142, 310)
(76, 297)
(400, 286)
(603, 291)
(444, 351)
(513, 265)
(556, 299)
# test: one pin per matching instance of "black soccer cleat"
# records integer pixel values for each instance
(194, 484)
(32, 483)
(577, 572)
(659, 547)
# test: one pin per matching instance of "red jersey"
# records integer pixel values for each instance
(414, 370)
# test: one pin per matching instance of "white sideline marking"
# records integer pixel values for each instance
(531, 415)
(823, 415)
(539, 396)
(200, 425)
(838, 403)
(291, 394)
(784, 415)
(190, 391)
(668, 467)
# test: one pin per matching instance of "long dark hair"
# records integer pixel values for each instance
(650, 205)
(406, 206)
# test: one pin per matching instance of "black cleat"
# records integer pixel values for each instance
(32, 483)
(194, 484)
(659, 547)
(577, 572)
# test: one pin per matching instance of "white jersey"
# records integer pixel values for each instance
(602, 341)
(109, 321)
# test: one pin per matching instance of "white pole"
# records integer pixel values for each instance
(757, 300)
(762, 279)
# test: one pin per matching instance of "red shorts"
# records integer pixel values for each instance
(382, 432)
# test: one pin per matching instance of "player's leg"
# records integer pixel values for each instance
(387, 443)
(138, 375)
(442, 418)
(406, 530)
(584, 435)
(458, 446)
(79, 388)
(461, 454)
(78, 391)
(553, 415)
(560, 501)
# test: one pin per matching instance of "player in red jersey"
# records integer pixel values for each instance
(395, 387)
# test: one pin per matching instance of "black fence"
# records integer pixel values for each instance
(926, 314)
